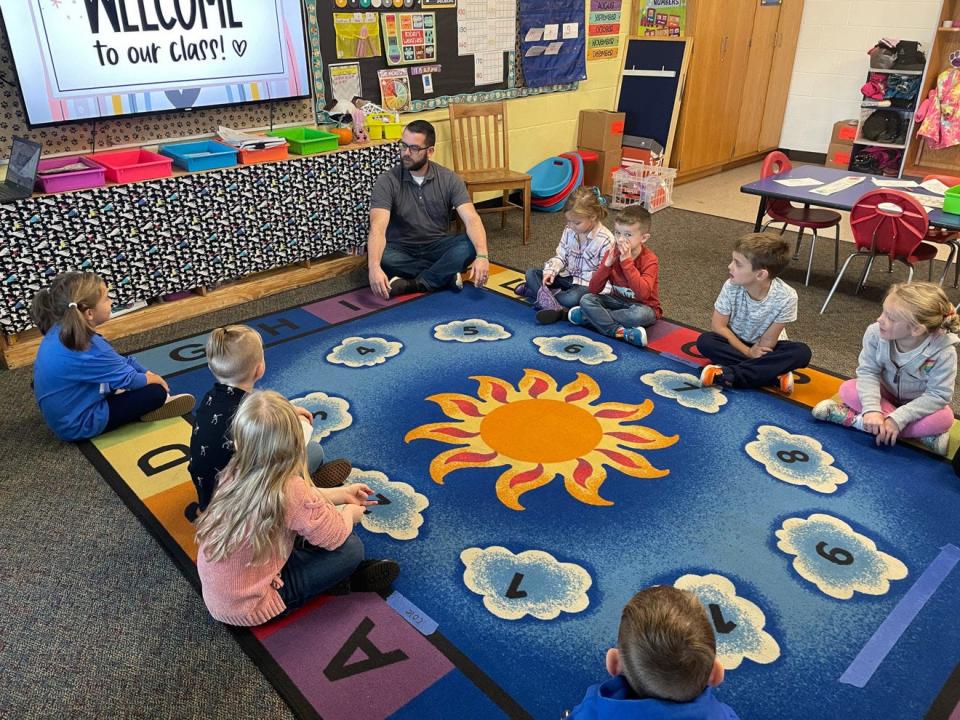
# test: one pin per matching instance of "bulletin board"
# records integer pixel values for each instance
(471, 71)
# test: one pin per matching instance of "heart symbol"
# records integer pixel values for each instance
(182, 98)
(240, 47)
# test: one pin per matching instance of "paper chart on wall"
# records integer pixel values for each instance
(836, 186)
(357, 34)
(409, 37)
(485, 27)
(345, 81)
(488, 68)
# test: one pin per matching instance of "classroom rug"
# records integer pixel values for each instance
(532, 478)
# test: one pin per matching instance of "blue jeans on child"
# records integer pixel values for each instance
(431, 264)
(311, 570)
(569, 295)
(131, 405)
(607, 313)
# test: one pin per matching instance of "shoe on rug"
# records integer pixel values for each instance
(786, 383)
(936, 443)
(711, 375)
(191, 512)
(457, 283)
(635, 336)
(374, 575)
(548, 317)
(520, 290)
(331, 474)
(575, 315)
(402, 286)
(175, 406)
(835, 412)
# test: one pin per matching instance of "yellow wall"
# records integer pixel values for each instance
(545, 125)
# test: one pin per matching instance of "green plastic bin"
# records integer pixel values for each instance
(307, 141)
(951, 200)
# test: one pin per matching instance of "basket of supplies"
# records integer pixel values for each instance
(384, 126)
(648, 185)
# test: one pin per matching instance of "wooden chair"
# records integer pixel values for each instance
(478, 134)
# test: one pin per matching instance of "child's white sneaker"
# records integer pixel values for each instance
(835, 412)
(936, 443)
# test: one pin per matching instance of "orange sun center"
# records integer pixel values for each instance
(541, 431)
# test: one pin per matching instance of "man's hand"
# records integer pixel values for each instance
(479, 272)
(379, 282)
(758, 350)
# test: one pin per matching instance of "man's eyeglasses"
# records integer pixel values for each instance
(413, 149)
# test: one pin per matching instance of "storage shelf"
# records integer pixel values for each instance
(895, 109)
(896, 72)
(864, 141)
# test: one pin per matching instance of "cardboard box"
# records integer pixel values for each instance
(600, 130)
(599, 172)
(838, 155)
(844, 131)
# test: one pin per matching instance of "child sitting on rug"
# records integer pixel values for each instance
(270, 540)
(235, 357)
(906, 372)
(82, 385)
(664, 666)
(748, 346)
(584, 241)
(632, 270)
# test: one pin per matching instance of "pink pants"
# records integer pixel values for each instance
(935, 424)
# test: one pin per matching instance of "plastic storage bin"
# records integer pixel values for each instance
(124, 166)
(202, 155)
(951, 200)
(270, 154)
(648, 185)
(93, 176)
(306, 141)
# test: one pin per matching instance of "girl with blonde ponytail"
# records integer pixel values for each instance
(83, 386)
(906, 373)
(270, 539)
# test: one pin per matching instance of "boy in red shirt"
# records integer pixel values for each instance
(632, 270)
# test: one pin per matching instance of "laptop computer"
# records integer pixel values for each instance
(22, 170)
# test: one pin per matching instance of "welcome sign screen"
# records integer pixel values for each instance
(80, 59)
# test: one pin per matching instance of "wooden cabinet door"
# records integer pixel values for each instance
(756, 79)
(705, 88)
(788, 29)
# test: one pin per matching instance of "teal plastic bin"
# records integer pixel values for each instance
(307, 141)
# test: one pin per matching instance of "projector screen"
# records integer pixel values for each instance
(89, 59)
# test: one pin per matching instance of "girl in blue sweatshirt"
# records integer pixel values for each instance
(83, 386)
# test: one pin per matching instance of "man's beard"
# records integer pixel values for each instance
(414, 165)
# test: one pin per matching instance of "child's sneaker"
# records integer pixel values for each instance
(175, 406)
(635, 336)
(835, 412)
(520, 290)
(936, 443)
(711, 375)
(331, 474)
(548, 316)
(575, 315)
(786, 383)
(374, 575)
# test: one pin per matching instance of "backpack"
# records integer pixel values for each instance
(909, 56)
(883, 55)
(884, 126)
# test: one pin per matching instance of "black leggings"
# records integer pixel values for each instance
(130, 405)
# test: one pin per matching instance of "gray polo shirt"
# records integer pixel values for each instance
(419, 214)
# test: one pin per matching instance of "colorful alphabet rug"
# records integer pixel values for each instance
(532, 478)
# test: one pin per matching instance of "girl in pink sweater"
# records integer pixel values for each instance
(270, 540)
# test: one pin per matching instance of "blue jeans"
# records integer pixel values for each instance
(607, 313)
(310, 570)
(569, 295)
(433, 264)
(314, 456)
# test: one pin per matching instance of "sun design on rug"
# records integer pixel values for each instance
(540, 431)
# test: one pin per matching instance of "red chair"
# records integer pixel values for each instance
(803, 218)
(891, 223)
(948, 237)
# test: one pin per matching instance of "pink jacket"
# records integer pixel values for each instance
(940, 112)
(240, 593)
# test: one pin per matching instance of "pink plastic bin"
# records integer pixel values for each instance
(73, 180)
(125, 166)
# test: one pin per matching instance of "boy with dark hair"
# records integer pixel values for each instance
(664, 666)
(748, 346)
(633, 271)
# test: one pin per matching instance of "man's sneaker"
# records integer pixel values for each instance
(331, 474)
(635, 336)
(835, 412)
(520, 290)
(711, 375)
(575, 315)
(786, 383)
(175, 406)
(457, 283)
(374, 575)
(401, 286)
(936, 443)
(548, 317)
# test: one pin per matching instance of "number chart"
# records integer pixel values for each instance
(529, 479)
